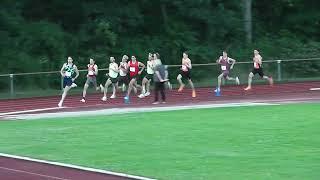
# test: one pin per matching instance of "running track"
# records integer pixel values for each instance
(13, 169)
(229, 93)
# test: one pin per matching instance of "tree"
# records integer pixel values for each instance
(247, 4)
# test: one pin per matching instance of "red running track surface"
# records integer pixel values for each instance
(14, 169)
(173, 97)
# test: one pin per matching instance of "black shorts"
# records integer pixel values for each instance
(134, 77)
(186, 74)
(149, 76)
(258, 71)
(67, 81)
(113, 80)
(123, 80)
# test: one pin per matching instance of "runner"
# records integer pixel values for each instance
(123, 72)
(257, 68)
(91, 79)
(134, 67)
(186, 74)
(147, 79)
(227, 64)
(66, 72)
(113, 79)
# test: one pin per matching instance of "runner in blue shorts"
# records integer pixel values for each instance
(67, 71)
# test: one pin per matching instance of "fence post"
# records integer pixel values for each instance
(61, 82)
(279, 69)
(11, 85)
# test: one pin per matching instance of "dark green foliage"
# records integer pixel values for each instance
(38, 35)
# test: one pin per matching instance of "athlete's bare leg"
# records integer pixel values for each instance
(96, 87)
(179, 78)
(249, 81)
(137, 86)
(234, 79)
(105, 90)
(169, 86)
(219, 81)
(268, 79)
(114, 90)
(131, 86)
(192, 87)
(145, 88)
(84, 92)
(144, 83)
(64, 94)
(148, 86)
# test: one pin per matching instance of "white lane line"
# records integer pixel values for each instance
(31, 173)
(314, 89)
(286, 100)
(76, 167)
(123, 110)
(31, 111)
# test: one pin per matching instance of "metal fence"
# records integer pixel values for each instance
(32, 84)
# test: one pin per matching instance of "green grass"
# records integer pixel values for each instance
(263, 142)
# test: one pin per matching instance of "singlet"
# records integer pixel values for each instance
(134, 68)
(112, 73)
(92, 69)
(124, 65)
(69, 69)
(150, 67)
(255, 64)
(224, 62)
(184, 67)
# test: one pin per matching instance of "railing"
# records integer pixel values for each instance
(275, 67)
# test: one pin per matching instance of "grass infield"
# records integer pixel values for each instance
(262, 142)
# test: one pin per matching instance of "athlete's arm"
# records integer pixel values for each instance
(88, 65)
(126, 67)
(77, 73)
(115, 68)
(189, 65)
(141, 65)
(232, 61)
(123, 67)
(218, 60)
(96, 69)
(260, 60)
(62, 70)
(182, 63)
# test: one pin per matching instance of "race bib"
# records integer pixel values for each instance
(132, 69)
(68, 74)
(91, 73)
(223, 68)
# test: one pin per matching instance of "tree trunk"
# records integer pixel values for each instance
(248, 20)
(164, 16)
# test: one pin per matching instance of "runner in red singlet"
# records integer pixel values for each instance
(134, 72)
